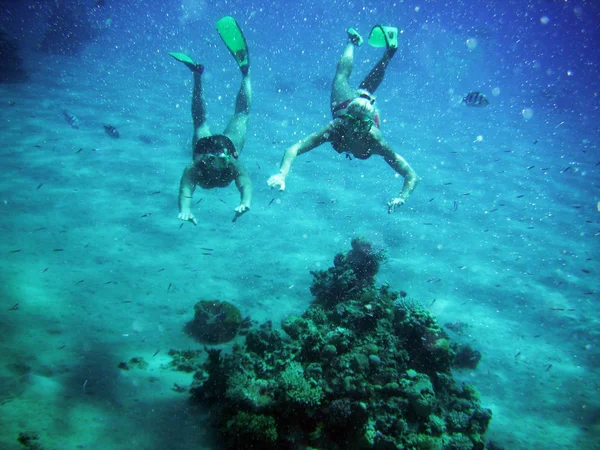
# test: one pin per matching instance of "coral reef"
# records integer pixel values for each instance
(215, 321)
(11, 64)
(362, 368)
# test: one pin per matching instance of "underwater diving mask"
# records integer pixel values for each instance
(357, 125)
(216, 161)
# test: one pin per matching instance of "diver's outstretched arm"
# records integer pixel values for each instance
(187, 186)
(305, 145)
(244, 185)
(399, 164)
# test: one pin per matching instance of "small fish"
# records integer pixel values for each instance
(520, 196)
(14, 307)
(548, 367)
(100, 3)
(181, 226)
(156, 353)
(71, 119)
(565, 169)
(58, 249)
(476, 100)
(169, 288)
(39, 186)
(112, 131)
(155, 193)
(272, 200)
(146, 139)
(206, 249)
(530, 167)
(78, 151)
(199, 201)
(536, 141)
(12, 103)
(517, 354)
(431, 199)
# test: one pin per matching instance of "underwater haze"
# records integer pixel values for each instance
(500, 241)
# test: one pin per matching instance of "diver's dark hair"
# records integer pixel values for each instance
(216, 143)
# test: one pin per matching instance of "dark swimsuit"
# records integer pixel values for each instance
(337, 139)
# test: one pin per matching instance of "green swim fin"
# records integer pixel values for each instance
(382, 36)
(189, 62)
(234, 39)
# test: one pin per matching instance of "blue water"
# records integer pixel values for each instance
(501, 234)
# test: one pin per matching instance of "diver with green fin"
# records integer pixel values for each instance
(355, 128)
(215, 156)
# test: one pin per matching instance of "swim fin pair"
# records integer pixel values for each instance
(234, 39)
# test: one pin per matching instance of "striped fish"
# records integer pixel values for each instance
(71, 119)
(476, 100)
(112, 131)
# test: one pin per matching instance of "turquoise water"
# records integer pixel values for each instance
(501, 234)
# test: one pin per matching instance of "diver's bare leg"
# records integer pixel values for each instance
(201, 128)
(237, 126)
(375, 76)
(340, 89)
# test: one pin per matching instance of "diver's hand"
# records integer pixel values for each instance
(239, 211)
(188, 217)
(277, 181)
(242, 209)
(394, 204)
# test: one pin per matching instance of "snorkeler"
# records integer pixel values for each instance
(355, 125)
(215, 156)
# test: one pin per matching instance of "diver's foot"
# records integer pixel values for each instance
(196, 68)
(354, 37)
(189, 62)
(390, 52)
